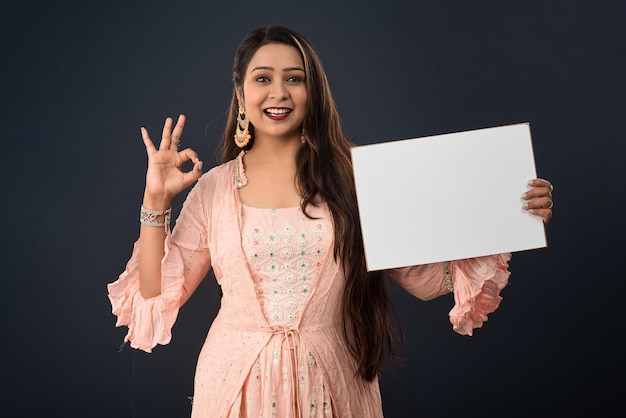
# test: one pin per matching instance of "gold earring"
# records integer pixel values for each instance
(242, 135)
(302, 137)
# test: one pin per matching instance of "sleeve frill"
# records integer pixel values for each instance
(477, 286)
(149, 321)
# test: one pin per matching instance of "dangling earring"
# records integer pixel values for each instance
(242, 136)
(302, 137)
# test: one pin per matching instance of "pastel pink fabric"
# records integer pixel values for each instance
(241, 345)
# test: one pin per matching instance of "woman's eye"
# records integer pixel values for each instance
(262, 79)
(294, 79)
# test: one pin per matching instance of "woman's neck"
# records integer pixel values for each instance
(274, 151)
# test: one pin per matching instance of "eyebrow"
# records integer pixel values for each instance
(272, 68)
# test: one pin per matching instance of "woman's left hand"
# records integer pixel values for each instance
(538, 200)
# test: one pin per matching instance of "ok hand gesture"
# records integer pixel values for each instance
(165, 177)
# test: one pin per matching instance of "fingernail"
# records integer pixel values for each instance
(523, 196)
(200, 166)
(531, 182)
(525, 206)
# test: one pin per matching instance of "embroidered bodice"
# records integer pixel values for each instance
(284, 250)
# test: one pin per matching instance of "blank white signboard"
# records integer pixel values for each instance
(446, 197)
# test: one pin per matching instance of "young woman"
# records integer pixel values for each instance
(303, 328)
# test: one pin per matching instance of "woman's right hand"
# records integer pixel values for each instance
(165, 177)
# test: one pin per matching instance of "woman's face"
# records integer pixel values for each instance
(274, 92)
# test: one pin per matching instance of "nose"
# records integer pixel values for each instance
(279, 91)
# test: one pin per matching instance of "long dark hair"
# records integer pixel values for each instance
(324, 171)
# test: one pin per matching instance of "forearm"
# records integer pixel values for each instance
(151, 250)
(425, 282)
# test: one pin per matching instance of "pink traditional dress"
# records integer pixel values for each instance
(276, 347)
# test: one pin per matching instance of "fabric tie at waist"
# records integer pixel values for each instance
(290, 339)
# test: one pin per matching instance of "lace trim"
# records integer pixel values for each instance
(240, 174)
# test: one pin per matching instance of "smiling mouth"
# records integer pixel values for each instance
(279, 113)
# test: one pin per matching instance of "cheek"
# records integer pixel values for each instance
(253, 98)
(300, 98)
(253, 109)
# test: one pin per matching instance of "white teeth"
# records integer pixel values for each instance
(277, 112)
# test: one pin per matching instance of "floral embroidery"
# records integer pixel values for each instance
(286, 253)
(318, 252)
(256, 257)
(283, 282)
(303, 265)
(288, 232)
(271, 240)
(303, 238)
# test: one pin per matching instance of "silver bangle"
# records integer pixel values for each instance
(149, 217)
(447, 276)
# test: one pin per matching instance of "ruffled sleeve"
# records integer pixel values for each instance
(477, 285)
(185, 263)
(149, 321)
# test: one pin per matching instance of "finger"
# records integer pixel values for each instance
(177, 132)
(150, 148)
(166, 135)
(541, 183)
(539, 203)
(536, 192)
(186, 155)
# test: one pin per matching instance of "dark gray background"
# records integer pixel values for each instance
(80, 78)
